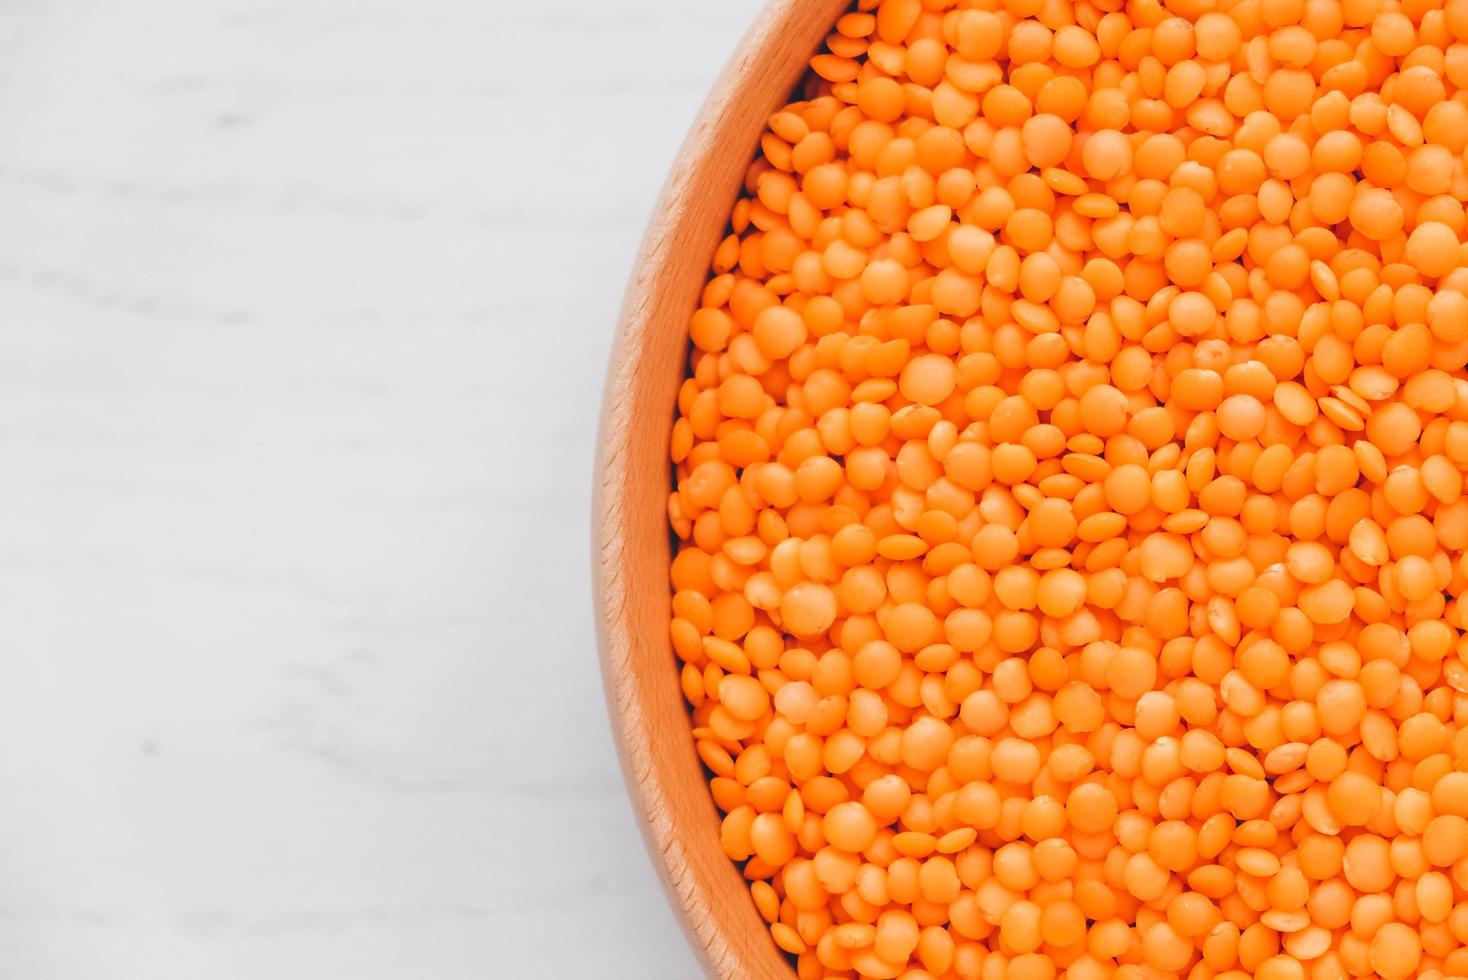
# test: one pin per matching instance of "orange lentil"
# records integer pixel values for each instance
(1068, 480)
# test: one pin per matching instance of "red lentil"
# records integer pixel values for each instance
(1069, 495)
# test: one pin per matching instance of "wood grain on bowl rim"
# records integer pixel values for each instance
(664, 776)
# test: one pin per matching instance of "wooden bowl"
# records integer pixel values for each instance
(664, 776)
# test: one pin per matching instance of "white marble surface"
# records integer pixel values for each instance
(304, 307)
